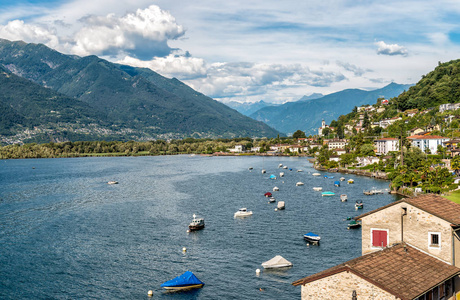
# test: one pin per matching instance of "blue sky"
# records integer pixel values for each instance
(238, 50)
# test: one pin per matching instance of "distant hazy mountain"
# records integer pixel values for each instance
(132, 102)
(307, 115)
(248, 108)
(311, 97)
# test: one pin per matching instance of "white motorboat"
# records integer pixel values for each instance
(242, 212)
(343, 198)
(299, 170)
(280, 165)
(342, 178)
(281, 174)
(263, 171)
(280, 205)
(271, 200)
(112, 182)
(276, 189)
(316, 174)
(277, 262)
(299, 183)
(317, 188)
(350, 181)
(285, 167)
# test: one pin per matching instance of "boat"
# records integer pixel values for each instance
(280, 205)
(271, 200)
(342, 178)
(368, 193)
(336, 183)
(272, 177)
(290, 169)
(250, 168)
(188, 280)
(329, 177)
(350, 181)
(281, 174)
(343, 198)
(242, 212)
(359, 204)
(299, 170)
(263, 171)
(316, 174)
(325, 194)
(268, 194)
(353, 224)
(312, 238)
(299, 183)
(285, 167)
(277, 262)
(112, 182)
(276, 189)
(317, 188)
(196, 224)
(280, 165)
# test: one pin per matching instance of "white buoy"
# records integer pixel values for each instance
(150, 293)
(257, 271)
(276, 209)
(184, 249)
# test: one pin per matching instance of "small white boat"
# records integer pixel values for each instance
(263, 171)
(280, 165)
(242, 212)
(276, 189)
(299, 183)
(343, 198)
(250, 168)
(350, 181)
(277, 262)
(299, 170)
(312, 238)
(317, 188)
(285, 167)
(280, 205)
(281, 174)
(342, 178)
(271, 200)
(316, 174)
(112, 182)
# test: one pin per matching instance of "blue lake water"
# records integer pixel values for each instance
(66, 234)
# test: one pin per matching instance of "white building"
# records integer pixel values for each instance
(385, 145)
(320, 129)
(237, 149)
(448, 106)
(424, 142)
(336, 144)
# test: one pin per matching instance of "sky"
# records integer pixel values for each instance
(250, 50)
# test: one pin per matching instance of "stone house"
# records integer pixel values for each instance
(453, 147)
(411, 250)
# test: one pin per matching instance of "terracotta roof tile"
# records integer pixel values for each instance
(431, 203)
(401, 270)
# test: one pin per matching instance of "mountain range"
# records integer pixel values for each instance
(48, 94)
(307, 115)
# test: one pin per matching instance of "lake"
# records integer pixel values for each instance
(66, 234)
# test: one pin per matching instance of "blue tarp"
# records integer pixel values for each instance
(188, 278)
(337, 183)
(311, 234)
(272, 176)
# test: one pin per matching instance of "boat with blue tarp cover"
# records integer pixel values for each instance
(337, 183)
(312, 237)
(327, 194)
(188, 280)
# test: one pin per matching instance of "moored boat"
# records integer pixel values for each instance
(242, 212)
(271, 200)
(359, 204)
(263, 171)
(342, 178)
(317, 188)
(188, 280)
(329, 177)
(277, 262)
(285, 167)
(272, 177)
(327, 194)
(196, 224)
(281, 174)
(343, 198)
(112, 182)
(280, 165)
(276, 189)
(350, 181)
(299, 183)
(312, 238)
(268, 194)
(280, 205)
(299, 170)
(337, 183)
(316, 174)
(353, 224)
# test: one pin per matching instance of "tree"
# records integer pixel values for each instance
(298, 134)
(455, 164)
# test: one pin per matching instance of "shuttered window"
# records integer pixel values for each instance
(379, 238)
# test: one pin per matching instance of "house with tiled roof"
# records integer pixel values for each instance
(411, 250)
(427, 142)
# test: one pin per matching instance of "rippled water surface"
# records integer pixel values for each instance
(66, 234)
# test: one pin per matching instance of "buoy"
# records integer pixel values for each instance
(257, 271)
(184, 249)
(188, 231)
(276, 209)
(150, 293)
(308, 244)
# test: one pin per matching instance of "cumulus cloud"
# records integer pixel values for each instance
(357, 71)
(18, 30)
(142, 34)
(390, 49)
(179, 66)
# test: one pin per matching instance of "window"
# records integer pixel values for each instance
(379, 238)
(434, 240)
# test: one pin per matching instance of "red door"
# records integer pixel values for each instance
(379, 238)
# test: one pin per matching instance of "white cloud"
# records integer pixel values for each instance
(390, 49)
(18, 30)
(183, 67)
